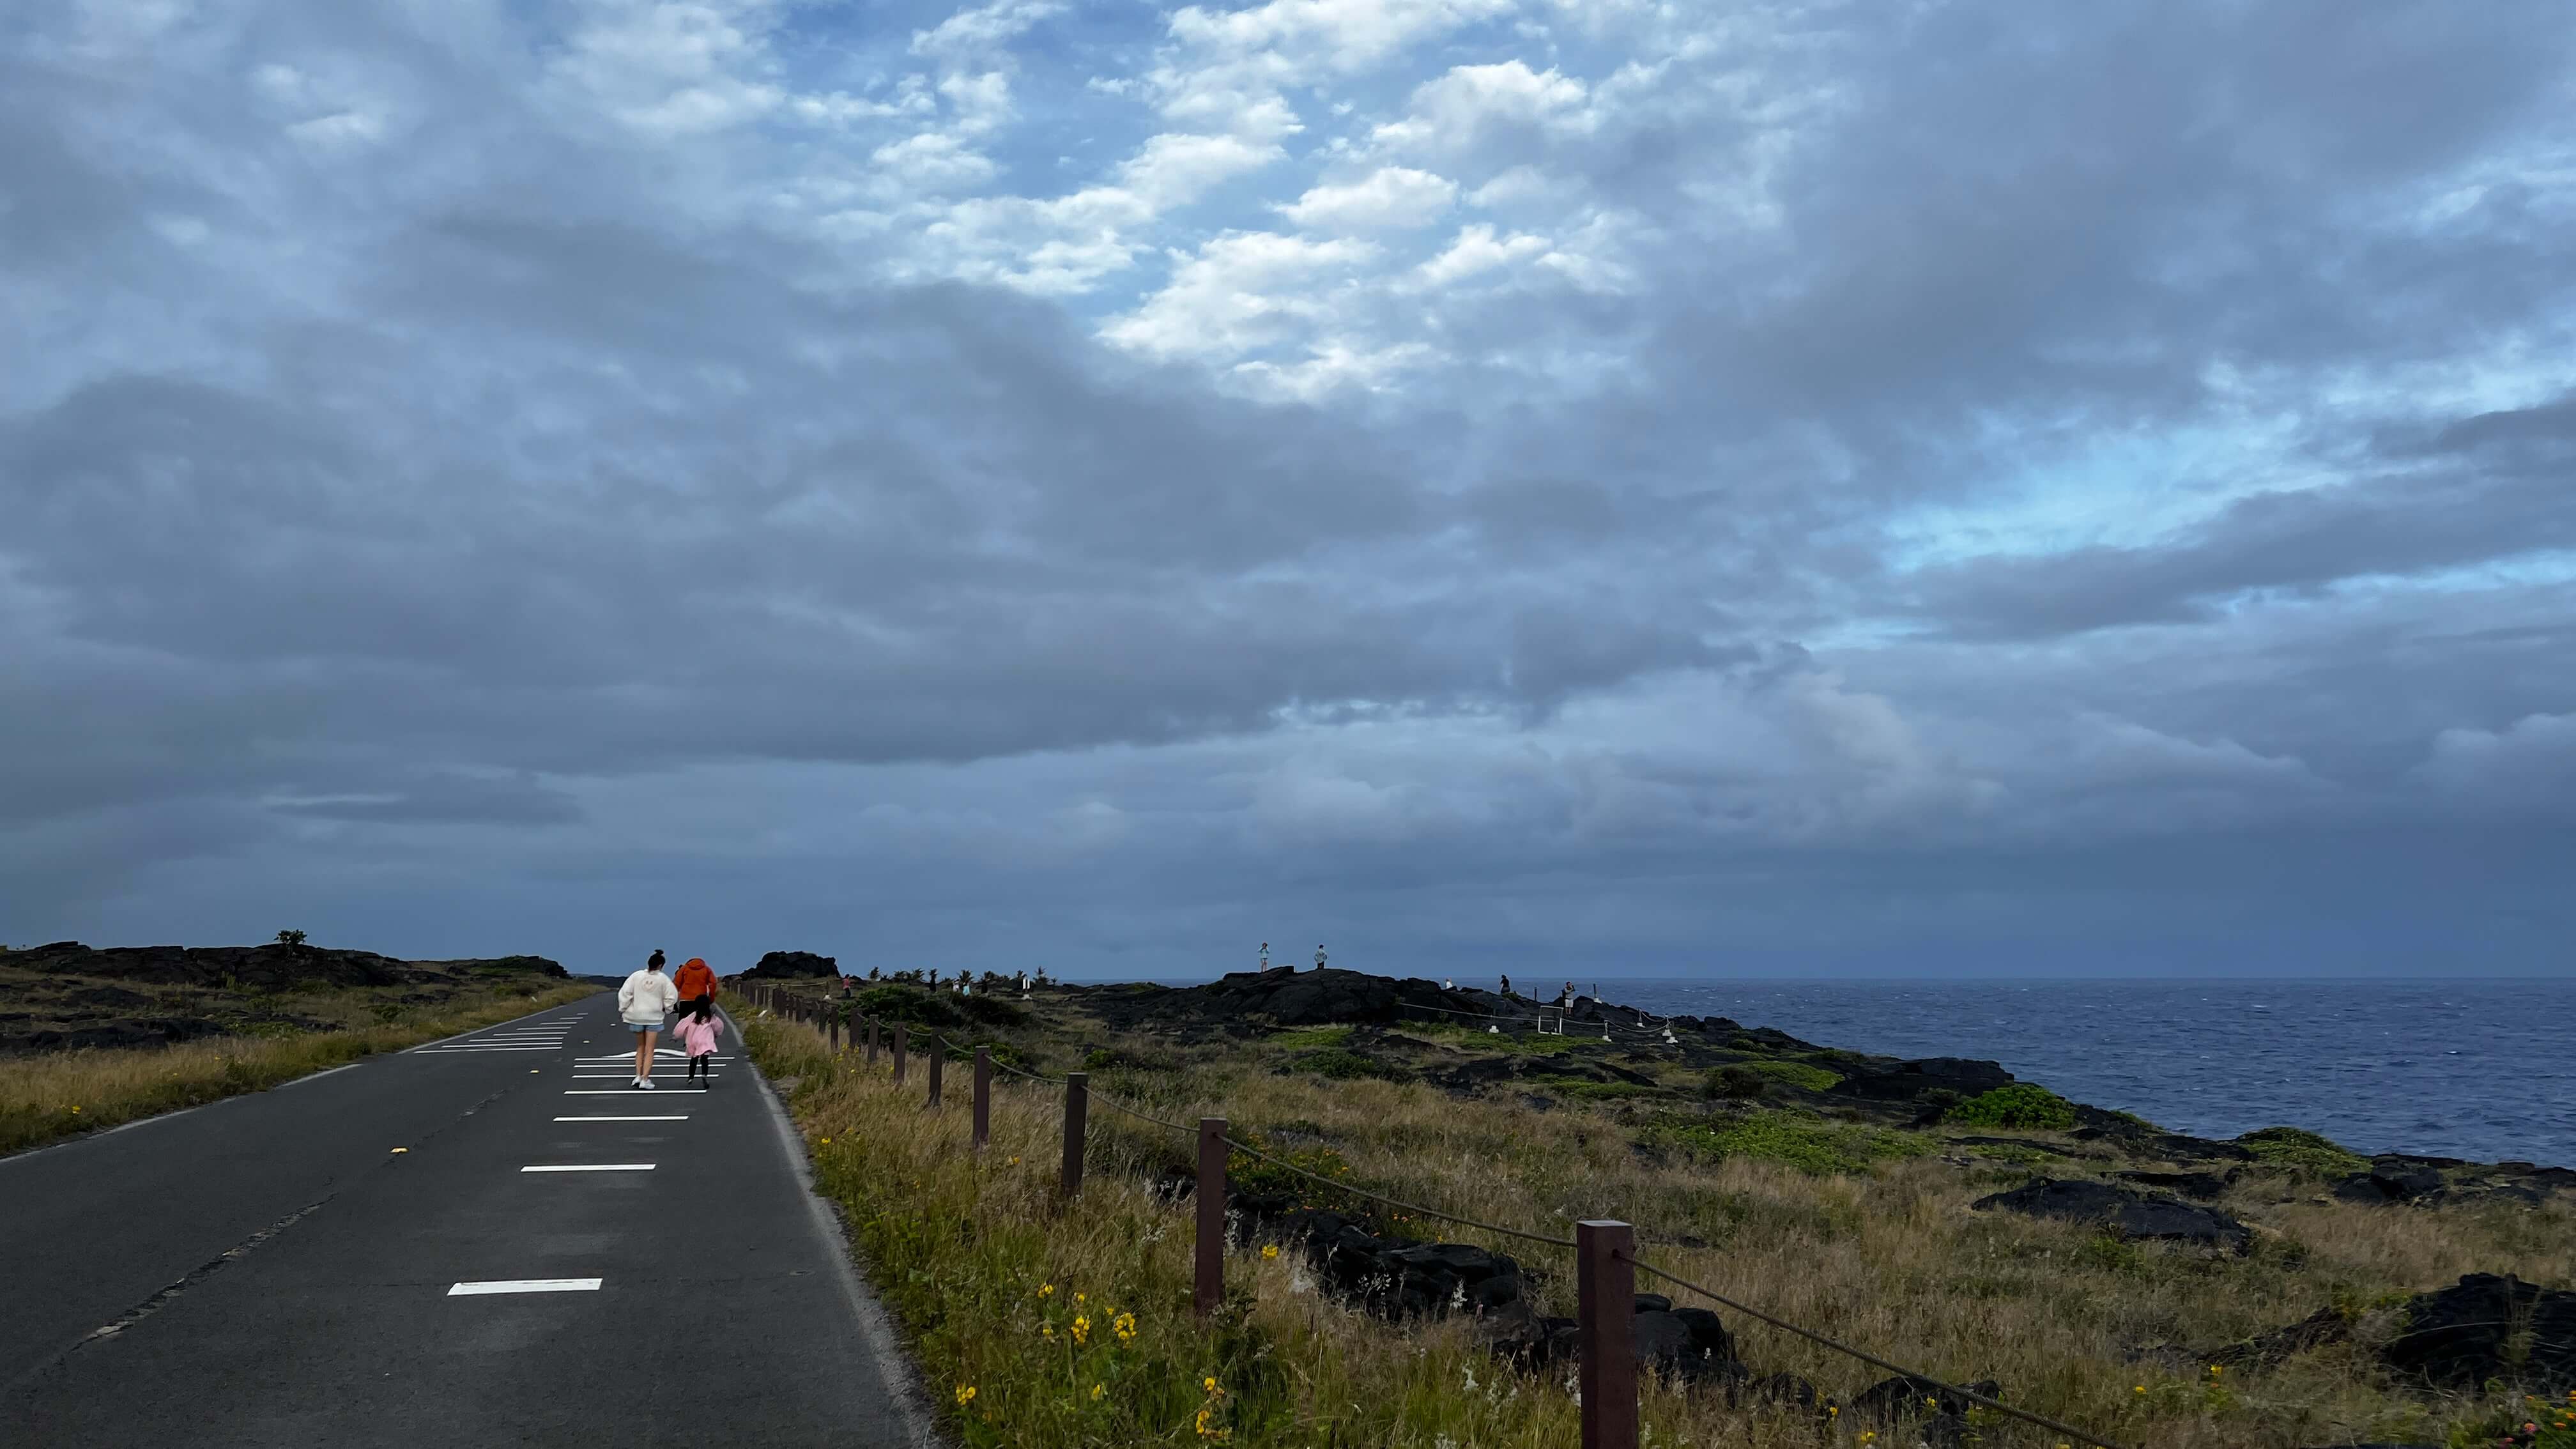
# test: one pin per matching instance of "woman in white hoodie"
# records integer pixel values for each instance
(646, 998)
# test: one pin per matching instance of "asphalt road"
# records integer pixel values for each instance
(271, 1272)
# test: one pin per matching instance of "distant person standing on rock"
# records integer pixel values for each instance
(1319, 958)
(642, 1002)
(696, 983)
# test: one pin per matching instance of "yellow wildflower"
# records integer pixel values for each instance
(965, 1395)
(1269, 1250)
(1046, 1290)
(1099, 1392)
(1081, 1329)
(1124, 1325)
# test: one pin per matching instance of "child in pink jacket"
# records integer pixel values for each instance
(697, 1032)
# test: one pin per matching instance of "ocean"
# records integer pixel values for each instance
(2482, 1069)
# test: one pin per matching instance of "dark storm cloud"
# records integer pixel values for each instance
(518, 500)
(2300, 542)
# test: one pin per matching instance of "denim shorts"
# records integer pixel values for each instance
(641, 1027)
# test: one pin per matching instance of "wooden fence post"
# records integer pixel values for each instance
(1077, 1108)
(1605, 1295)
(983, 1096)
(937, 1051)
(898, 1053)
(1210, 1290)
(872, 1041)
(836, 1036)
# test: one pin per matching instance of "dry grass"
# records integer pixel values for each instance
(1890, 1259)
(47, 1097)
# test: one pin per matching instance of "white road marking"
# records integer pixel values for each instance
(593, 1167)
(682, 1117)
(526, 1285)
(317, 1076)
(660, 1056)
(622, 1091)
(442, 1051)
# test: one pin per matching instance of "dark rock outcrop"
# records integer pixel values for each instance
(274, 967)
(792, 965)
(1400, 1278)
(2391, 1179)
(2123, 1212)
(2269, 1350)
(1907, 1081)
(2201, 1185)
(2487, 1326)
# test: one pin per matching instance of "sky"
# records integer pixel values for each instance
(1564, 486)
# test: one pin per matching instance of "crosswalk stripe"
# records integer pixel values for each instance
(525, 1285)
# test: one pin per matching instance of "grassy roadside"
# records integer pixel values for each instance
(49, 1097)
(1042, 1327)
(1859, 1232)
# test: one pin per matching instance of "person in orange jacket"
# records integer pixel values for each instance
(696, 983)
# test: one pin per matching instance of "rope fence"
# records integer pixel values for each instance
(1605, 1250)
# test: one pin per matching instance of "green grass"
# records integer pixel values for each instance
(1476, 1038)
(1809, 1144)
(2303, 1151)
(48, 1097)
(1797, 1074)
(1583, 1091)
(1344, 1066)
(1042, 1326)
(2024, 1105)
(1312, 1036)
(1856, 1230)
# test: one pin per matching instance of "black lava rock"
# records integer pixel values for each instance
(2201, 1185)
(2124, 1212)
(1907, 1397)
(2391, 1179)
(1908, 1080)
(2461, 1336)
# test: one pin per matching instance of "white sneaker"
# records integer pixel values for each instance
(648, 1084)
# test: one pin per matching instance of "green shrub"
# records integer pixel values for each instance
(2025, 1105)
(1254, 1177)
(991, 1010)
(2300, 1150)
(911, 1005)
(1312, 1036)
(1735, 1081)
(1583, 1091)
(1106, 1059)
(1810, 1144)
(1797, 1074)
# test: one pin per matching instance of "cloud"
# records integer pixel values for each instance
(1468, 477)
(1392, 196)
